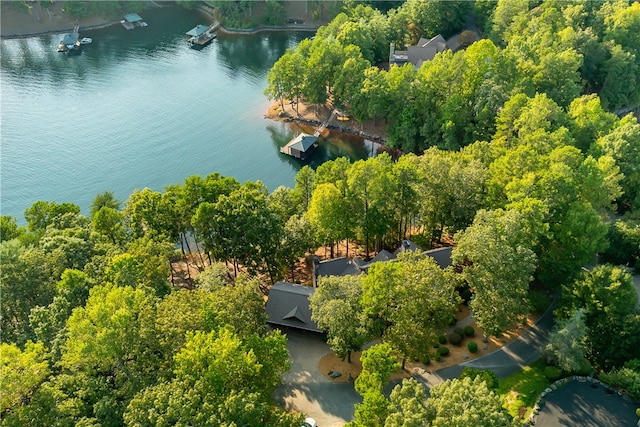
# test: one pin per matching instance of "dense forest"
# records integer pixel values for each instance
(516, 154)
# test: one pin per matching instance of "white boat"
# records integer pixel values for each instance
(86, 40)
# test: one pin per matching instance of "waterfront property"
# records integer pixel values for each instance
(132, 20)
(70, 44)
(200, 35)
(354, 266)
(301, 146)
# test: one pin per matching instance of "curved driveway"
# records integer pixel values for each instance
(305, 389)
(586, 404)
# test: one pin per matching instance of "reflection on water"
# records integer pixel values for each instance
(141, 109)
(331, 145)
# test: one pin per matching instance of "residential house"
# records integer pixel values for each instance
(288, 305)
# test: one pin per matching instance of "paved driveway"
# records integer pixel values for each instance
(586, 405)
(305, 389)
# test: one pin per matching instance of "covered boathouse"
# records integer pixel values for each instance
(200, 35)
(132, 20)
(301, 146)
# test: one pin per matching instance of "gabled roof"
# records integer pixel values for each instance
(383, 255)
(407, 245)
(197, 30)
(426, 50)
(132, 17)
(288, 305)
(338, 267)
(302, 142)
(437, 42)
(441, 255)
(70, 38)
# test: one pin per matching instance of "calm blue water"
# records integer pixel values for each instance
(140, 109)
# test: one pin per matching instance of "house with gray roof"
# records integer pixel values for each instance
(344, 266)
(288, 305)
(424, 50)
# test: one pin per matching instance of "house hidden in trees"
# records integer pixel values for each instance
(288, 305)
(344, 266)
(425, 50)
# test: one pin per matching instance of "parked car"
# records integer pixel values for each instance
(309, 422)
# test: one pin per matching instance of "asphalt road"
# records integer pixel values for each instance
(587, 405)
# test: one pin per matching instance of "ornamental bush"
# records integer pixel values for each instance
(473, 347)
(443, 351)
(442, 339)
(552, 373)
(488, 376)
(459, 331)
(455, 338)
(469, 331)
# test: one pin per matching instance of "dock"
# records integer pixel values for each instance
(132, 20)
(70, 43)
(301, 146)
(200, 35)
(324, 124)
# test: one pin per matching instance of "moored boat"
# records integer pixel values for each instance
(86, 40)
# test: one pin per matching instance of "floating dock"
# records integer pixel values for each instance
(132, 20)
(200, 35)
(70, 44)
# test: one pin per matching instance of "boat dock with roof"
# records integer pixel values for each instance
(301, 146)
(70, 43)
(132, 20)
(200, 35)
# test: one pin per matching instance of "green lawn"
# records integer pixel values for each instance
(521, 389)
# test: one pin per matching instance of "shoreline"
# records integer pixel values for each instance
(56, 31)
(315, 115)
(59, 22)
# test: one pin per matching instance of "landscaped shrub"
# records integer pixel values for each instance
(473, 347)
(438, 357)
(627, 378)
(469, 331)
(552, 373)
(638, 412)
(459, 331)
(455, 338)
(585, 368)
(442, 339)
(426, 360)
(488, 376)
(443, 351)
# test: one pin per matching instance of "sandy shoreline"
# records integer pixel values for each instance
(312, 115)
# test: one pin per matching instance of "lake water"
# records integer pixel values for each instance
(141, 109)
